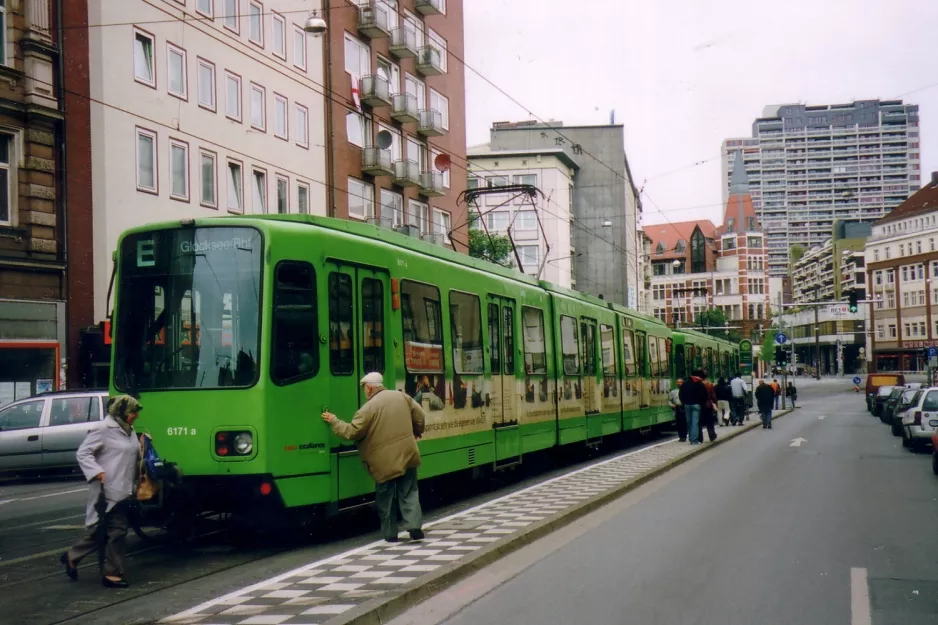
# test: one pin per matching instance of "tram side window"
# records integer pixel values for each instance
(653, 356)
(569, 345)
(679, 361)
(664, 363)
(423, 327)
(535, 348)
(709, 361)
(509, 329)
(466, 324)
(607, 339)
(295, 349)
(495, 348)
(589, 348)
(628, 352)
(641, 353)
(372, 325)
(341, 340)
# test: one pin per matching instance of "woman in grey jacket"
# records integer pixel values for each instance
(109, 458)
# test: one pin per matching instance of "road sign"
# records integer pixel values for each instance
(856, 379)
(781, 338)
(932, 352)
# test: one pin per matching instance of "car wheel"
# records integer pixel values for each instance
(934, 463)
(896, 429)
(905, 441)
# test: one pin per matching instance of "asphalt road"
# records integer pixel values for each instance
(839, 529)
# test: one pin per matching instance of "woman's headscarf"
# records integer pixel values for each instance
(121, 406)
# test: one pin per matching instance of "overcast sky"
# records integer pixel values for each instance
(682, 75)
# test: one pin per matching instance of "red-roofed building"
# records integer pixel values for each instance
(697, 266)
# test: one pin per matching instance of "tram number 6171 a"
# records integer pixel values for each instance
(181, 431)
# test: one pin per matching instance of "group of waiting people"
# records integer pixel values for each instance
(699, 404)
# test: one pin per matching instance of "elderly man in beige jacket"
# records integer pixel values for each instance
(386, 430)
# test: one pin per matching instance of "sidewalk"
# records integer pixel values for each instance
(374, 583)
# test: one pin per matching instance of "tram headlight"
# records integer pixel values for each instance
(243, 443)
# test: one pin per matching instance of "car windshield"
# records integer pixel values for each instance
(188, 309)
(885, 390)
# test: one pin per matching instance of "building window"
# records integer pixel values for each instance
(258, 107)
(530, 257)
(357, 57)
(176, 68)
(6, 216)
(876, 254)
(754, 242)
(231, 18)
(392, 208)
(280, 117)
(144, 67)
(525, 220)
(418, 214)
(497, 220)
(259, 192)
(355, 124)
(207, 84)
(279, 36)
(880, 332)
(256, 23)
(446, 173)
(302, 198)
(439, 102)
(361, 199)
(283, 195)
(890, 276)
(146, 161)
(179, 170)
(890, 300)
(390, 72)
(235, 187)
(299, 47)
(233, 96)
(205, 7)
(442, 223)
(698, 252)
(301, 126)
(892, 331)
(905, 273)
(433, 39)
(416, 88)
(3, 32)
(209, 185)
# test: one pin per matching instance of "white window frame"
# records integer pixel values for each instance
(446, 174)
(418, 214)
(253, 4)
(232, 21)
(238, 208)
(394, 79)
(281, 104)
(301, 125)
(282, 179)
(300, 59)
(363, 123)
(138, 34)
(397, 208)
(420, 92)
(300, 187)
(211, 8)
(206, 64)
(518, 223)
(361, 190)
(263, 91)
(143, 132)
(172, 49)
(396, 148)
(364, 64)
(208, 154)
(176, 144)
(420, 34)
(442, 105)
(434, 38)
(4, 36)
(444, 224)
(259, 189)
(10, 167)
(229, 77)
(537, 256)
(275, 19)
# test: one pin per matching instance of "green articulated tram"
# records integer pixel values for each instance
(237, 332)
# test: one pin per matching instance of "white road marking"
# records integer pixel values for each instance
(7, 501)
(33, 498)
(183, 616)
(796, 442)
(821, 417)
(64, 527)
(860, 613)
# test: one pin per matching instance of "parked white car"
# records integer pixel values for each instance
(920, 420)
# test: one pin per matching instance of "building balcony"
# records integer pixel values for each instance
(431, 184)
(403, 43)
(377, 162)
(407, 173)
(375, 91)
(430, 123)
(373, 20)
(429, 7)
(429, 61)
(404, 108)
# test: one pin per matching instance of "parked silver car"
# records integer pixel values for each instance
(44, 432)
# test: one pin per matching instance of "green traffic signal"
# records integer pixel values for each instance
(853, 306)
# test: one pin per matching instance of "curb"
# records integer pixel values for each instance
(381, 610)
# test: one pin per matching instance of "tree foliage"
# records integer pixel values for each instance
(796, 252)
(713, 322)
(767, 353)
(493, 248)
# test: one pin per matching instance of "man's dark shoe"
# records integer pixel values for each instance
(70, 570)
(392, 539)
(110, 583)
(416, 535)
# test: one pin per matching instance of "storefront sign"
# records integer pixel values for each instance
(913, 344)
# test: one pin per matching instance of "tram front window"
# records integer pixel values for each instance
(188, 309)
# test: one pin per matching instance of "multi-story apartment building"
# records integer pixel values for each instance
(540, 227)
(902, 279)
(831, 270)
(606, 204)
(181, 109)
(33, 283)
(395, 116)
(811, 165)
(697, 266)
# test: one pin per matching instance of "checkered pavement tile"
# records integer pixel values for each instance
(323, 590)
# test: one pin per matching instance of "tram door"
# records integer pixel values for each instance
(359, 305)
(503, 396)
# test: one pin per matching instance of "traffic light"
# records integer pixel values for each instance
(853, 302)
(781, 357)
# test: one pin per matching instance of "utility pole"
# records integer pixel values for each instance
(817, 338)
